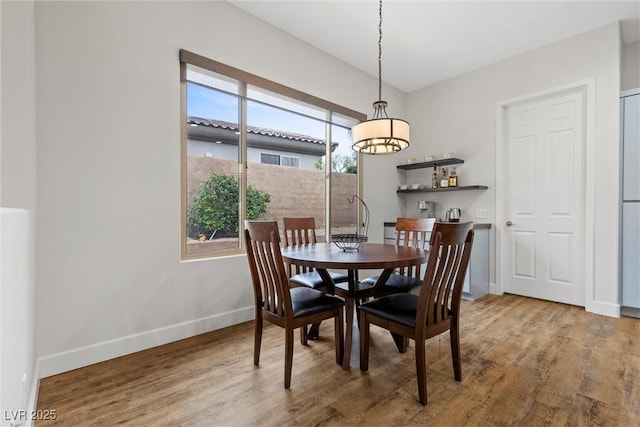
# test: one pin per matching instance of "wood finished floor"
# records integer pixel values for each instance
(525, 362)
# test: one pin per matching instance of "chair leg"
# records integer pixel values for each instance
(401, 342)
(421, 370)
(358, 303)
(303, 335)
(364, 342)
(314, 331)
(454, 333)
(257, 339)
(339, 336)
(288, 356)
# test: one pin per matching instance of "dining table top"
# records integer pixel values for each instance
(368, 256)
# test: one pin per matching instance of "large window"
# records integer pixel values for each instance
(254, 149)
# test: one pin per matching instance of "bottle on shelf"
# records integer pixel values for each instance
(453, 178)
(444, 179)
(434, 179)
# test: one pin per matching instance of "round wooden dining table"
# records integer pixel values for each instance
(324, 256)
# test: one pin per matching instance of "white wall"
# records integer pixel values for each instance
(109, 278)
(17, 361)
(630, 73)
(17, 160)
(17, 206)
(460, 115)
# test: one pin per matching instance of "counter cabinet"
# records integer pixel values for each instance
(476, 282)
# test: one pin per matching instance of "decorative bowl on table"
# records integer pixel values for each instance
(349, 241)
(353, 241)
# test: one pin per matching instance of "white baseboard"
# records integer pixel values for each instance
(32, 404)
(77, 358)
(604, 308)
(493, 289)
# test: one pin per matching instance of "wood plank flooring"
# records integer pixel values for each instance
(525, 362)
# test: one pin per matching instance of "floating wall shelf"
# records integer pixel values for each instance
(437, 190)
(430, 164)
(436, 163)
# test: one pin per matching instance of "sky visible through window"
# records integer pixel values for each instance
(212, 104)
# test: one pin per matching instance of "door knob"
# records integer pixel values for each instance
(509, 223)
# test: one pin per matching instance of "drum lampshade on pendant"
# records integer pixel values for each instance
(380, 134)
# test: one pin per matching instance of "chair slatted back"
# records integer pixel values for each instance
(412, 232)
(441, 292)
(268, 274)
(297, 232)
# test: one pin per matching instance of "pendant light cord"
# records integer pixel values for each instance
(380, 134)
(380, 54)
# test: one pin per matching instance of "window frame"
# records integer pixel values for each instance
(292, 158)
(245, 78)
(264, 156)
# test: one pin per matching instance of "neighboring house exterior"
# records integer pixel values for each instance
(217, 138)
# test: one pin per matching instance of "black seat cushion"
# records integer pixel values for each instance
(396, 283)
(313, 280)
(306, 301)
(399, 308)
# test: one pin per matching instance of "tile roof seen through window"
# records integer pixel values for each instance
(220, 124)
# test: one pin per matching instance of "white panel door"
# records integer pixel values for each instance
(544, 199)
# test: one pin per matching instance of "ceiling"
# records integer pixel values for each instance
(426, 41)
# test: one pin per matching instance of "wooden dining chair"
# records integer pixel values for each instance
(410, 232)
(302, 231)
(434, 311)
(277, 302)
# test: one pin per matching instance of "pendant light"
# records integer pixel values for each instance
(380, 134)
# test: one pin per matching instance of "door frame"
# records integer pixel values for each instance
(587, 87)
